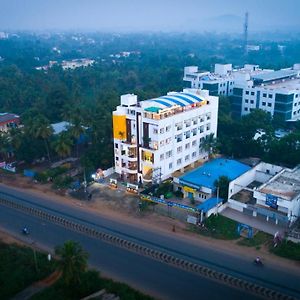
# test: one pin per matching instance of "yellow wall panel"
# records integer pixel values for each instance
(119, 125)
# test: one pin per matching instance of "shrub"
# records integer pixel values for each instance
(61, 182)
(41, 177)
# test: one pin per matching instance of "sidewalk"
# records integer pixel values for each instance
(259, 224)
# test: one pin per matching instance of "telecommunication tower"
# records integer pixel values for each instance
(246, 33)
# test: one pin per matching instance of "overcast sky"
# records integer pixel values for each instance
(137, 15)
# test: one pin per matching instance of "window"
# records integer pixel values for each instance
(247, 92)
(168, 154)
(155, 131)
(265, 95)
(270, 96)
(170, 165)
(162, 156)
(116, 145)
(179, 161)
(208, 117)
(252, 101)
(168, 140)
(195, 121)
(187, 146)
(179, 149)
(161, 143)
(194, 143)
(269, 104)
(201, 119)
(246, 109)
(296, 95)
(252, 93)
(230, 90)
(187, 157)
(187, 134)
(207, 126)
(168, 128)
(246, 101)
(263, 104)
(162, 130)
(117, 158)
(201, 129)
(194, 154)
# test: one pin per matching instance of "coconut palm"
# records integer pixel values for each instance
(63, 145)
(39, 127)
(76, 129)
(209, 145)
(73, 262)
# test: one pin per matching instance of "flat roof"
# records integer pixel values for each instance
(270, 76)
(208, 173)
(209, 204)
(291, 84)
(286, 185)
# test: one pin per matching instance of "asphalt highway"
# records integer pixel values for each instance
(153, 277)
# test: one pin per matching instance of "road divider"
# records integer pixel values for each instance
(235, 282)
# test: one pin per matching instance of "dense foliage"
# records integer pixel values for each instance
(86, 97)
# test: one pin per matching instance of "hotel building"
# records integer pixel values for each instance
(156, 137)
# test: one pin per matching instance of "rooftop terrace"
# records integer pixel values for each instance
(286, 185)
(208, 173)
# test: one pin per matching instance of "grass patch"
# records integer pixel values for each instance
(90, 283)
(218, 227)
(17, 268)
(287, 249)
(259, 239)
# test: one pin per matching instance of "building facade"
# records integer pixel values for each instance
(276, 92)
(156, 137)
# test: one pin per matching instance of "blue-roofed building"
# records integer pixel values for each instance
(199, 183)
(156, 137)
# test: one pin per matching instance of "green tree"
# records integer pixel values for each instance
(73, 262)
(209, 145)
(40, 128)
(222, 185)
(62, 145)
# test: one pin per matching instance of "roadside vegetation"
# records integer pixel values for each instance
(218, 227)
(259, 239)
(287, 249)
(18, 269)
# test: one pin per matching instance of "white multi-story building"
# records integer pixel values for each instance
(156, 137)
(277, 92)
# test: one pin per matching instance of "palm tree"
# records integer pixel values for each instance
(73, 262)
(63, 145)
(40, 127)
(76, 129)
(209, 145)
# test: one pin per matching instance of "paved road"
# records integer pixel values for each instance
(151, 276)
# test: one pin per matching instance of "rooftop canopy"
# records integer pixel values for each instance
(207, 174)
(182, 99)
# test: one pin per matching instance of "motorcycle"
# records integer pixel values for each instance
(25, 231)
(258, 262)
